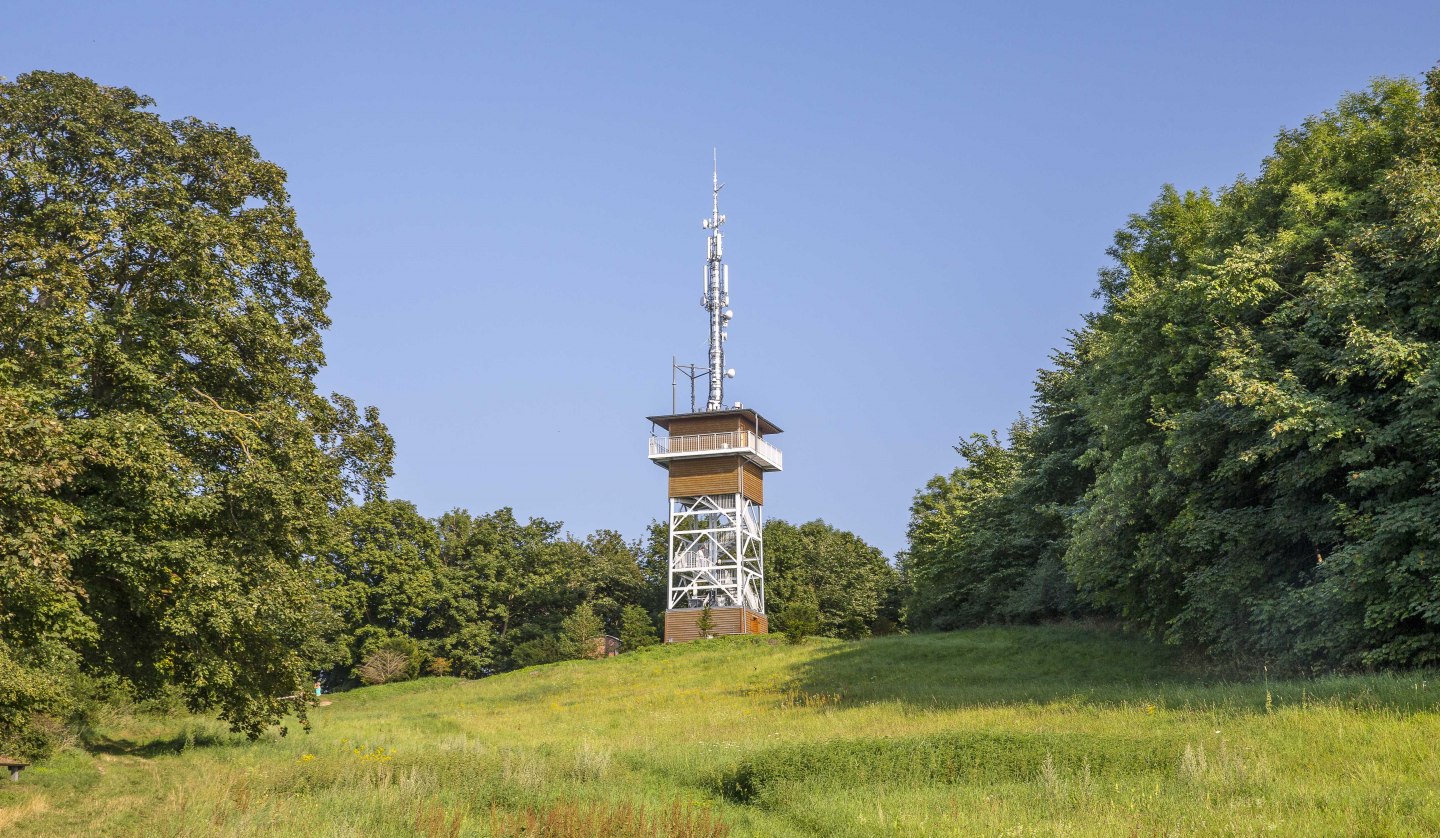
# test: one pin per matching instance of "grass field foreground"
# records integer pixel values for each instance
(1061, 730)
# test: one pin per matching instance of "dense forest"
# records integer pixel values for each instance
(185, 518)
(1240, 450)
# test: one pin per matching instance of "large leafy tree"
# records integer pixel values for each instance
(1239, 449)
(1263, 378)
(177, 470)
(850, 581)
(985, 545)
(510, 583)
(386, 578)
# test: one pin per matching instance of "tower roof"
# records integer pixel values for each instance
(765, 426)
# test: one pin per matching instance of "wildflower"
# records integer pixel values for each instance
(306, 757)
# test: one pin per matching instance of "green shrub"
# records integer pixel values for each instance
(580, 629)
(41, 706)
(384, 666)
(637, 630)
(540, 650)
(800, 617)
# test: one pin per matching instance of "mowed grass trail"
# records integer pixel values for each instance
(1024, 731)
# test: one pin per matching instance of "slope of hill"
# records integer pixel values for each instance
(1054, 730)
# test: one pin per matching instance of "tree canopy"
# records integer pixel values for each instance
(177, 469)
(1239, 450)
(852, 584)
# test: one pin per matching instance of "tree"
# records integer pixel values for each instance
(847, 578)
(705, 622)
(1261, 370)
(386, 578)
(581, 629)
(384, 666)
(1237, 452)
(41, 613)
(162, 326)
(653, 556)
(575, 638)
(986, 541)
(510, 585)
(800, 617)
(637, 629)
(521, 574)
(605, 572)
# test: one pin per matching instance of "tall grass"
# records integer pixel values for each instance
(1055, 730)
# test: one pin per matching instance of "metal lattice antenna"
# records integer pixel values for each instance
(717, 295)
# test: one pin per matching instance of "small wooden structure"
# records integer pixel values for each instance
(604, 646)
(15, 766)
(682, 624)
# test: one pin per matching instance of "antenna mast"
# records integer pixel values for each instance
(717, 296)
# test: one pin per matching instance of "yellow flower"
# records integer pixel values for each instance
(307, 757)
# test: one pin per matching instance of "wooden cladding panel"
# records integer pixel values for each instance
(705, 476)
(752, 482)
(708, 425)
(681, 625)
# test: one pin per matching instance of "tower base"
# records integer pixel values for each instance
(683, 624)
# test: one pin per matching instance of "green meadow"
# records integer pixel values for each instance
(1059, 730)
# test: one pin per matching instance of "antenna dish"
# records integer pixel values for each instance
(727, 314)
(730, 373)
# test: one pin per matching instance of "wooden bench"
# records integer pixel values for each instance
(15, 766)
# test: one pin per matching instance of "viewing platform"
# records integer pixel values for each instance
(693, 436)
(664, 449)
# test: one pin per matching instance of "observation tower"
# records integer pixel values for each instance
(717, 459)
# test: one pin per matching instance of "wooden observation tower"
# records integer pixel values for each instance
(716, 459)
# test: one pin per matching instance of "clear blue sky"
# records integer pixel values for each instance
(505, 200)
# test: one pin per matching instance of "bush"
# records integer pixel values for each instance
(416, 658)
(800, 617)
(580, 630)
(547, 649)
(636, 629)
(853, 628)
(44, 705)
(384, 666)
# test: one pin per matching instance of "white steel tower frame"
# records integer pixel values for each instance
(717, 553)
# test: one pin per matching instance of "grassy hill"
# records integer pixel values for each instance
(1055, 730)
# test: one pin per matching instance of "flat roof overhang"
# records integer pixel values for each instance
(755, 420)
